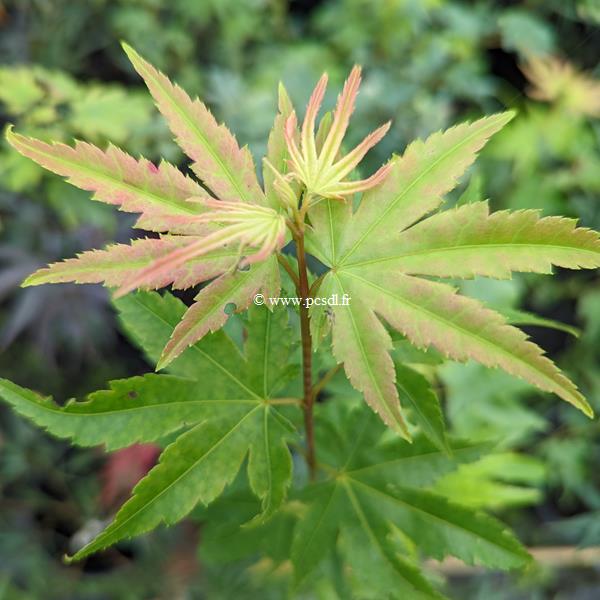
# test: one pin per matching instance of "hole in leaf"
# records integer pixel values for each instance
(230, 308)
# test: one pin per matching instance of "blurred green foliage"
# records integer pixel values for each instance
(428, 64)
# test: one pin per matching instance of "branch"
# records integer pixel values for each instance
(308, 401)
(286, 265)
(318, 388)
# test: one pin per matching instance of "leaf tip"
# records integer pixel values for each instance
(165, 359)
(11, 137)
(507, 116)
(127, 48)
(29, 281)
(8, 133)
(132, 55)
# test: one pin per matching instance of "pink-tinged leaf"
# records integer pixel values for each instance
(309, 147)
(174, 224)
(469, 241)
(313, 161)
(114, 177)
(416, 185)
(218, 161)
(118, 264)
(433, 314)
(160, 269)
(208, 313)
(350, 161)
(374, 252)
(361, 342)
(244, 225)
(342, 189)
(341, 117)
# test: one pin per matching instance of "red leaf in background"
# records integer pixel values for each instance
(124, 469)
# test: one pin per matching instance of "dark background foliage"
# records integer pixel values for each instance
(428, 64)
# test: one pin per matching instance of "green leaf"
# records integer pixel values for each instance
(382, 460)
(473, 192)
(406, 353)
(140, 409)
(226, 536)
(236, 416)
(443, 527)
(316, 532)
(196, 467)
(521, 317)
(376, 563)
(371, 492)
(498, 480)
(416, 393)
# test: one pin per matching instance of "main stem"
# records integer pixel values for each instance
(309, 397)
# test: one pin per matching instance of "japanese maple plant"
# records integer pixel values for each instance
(255, 406)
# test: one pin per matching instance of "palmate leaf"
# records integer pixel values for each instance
(204, 238)
(374, 489)
(374, 253)
(237, 416)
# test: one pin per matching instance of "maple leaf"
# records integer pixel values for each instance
(556, 80)
(376, 486)
(202, 237)
(376, 253)
(238, 415)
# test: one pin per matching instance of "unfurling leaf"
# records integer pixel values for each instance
(317, 166)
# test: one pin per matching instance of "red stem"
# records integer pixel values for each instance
(309, 398)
